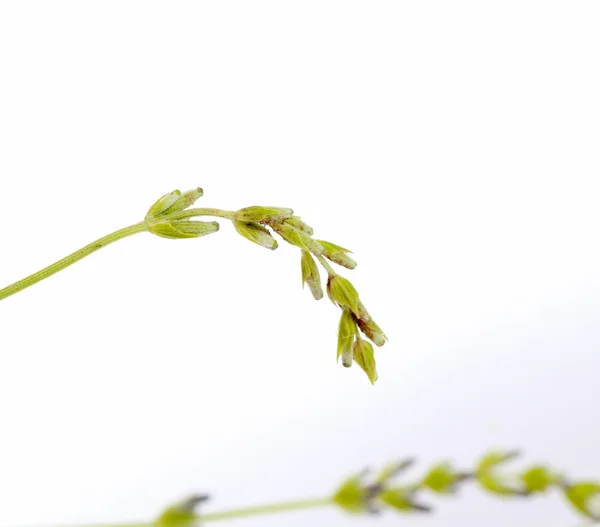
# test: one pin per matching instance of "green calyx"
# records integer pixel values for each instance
(256, 233)
(159, 217)
(183, 229)
(311, 275)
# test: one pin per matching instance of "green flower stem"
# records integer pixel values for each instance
(233, 514)
(191, 213)
(324, 263)
(267, 509)
(72, 258)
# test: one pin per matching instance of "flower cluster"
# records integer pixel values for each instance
(355, 319)
(170, 217)
(160, 221)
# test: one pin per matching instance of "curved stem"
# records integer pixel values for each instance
(72, 258)
(190, 213)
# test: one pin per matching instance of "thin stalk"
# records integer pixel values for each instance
(325, 264)
(233, 514)
(266, 509)
(72, 258)
(191, 213)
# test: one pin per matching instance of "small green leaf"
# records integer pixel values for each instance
(581, 496)
(346, 335)
(255, 233)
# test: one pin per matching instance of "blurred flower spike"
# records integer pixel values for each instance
(391, 489)
(367, 492)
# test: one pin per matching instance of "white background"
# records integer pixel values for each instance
(452, 145)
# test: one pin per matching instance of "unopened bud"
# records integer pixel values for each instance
(585, 497)
(372, 331)
(365, 358)
(402, 499)
(310, 275)
(346, 336)
(337, 254)
(442, 478)
(185, 200)
(297, 223)
(173, 202)
(353, 495)
(342, 293)
(368, 326)
(255, 233)
(297, 237)
(258, 214)
(183, 229)
(181, 514)
(163, 204)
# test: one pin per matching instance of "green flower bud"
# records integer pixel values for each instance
(346, 336)
(183, 229)
(310, 275)
(337, 254)
(352, 496)
(372, 331)
(364, 357)
(442, 478)
(255, 233)
(297, 223)
(342, 293)
(297, 237)
(368, 326)
(181, 514)
(493, 459)
(402, 499)
(185, 200)
(584, 496)
(173, 202)
(258, 214)
(163, 204)
(501, 484)
(538, 479)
